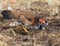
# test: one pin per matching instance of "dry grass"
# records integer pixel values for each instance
(48, 37)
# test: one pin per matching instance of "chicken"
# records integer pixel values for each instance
(25, 16)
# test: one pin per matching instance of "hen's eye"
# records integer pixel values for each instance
(38, 25)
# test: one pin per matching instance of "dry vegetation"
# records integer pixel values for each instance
(10, 36)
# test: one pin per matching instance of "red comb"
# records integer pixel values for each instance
(42, 20)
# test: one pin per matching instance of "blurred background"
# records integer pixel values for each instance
(49, 6)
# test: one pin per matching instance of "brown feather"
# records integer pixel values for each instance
(26, 16)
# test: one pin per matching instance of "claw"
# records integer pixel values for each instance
(22, 28)
(25, 30)
(19, 27)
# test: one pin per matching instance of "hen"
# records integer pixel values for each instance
(27, 17)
